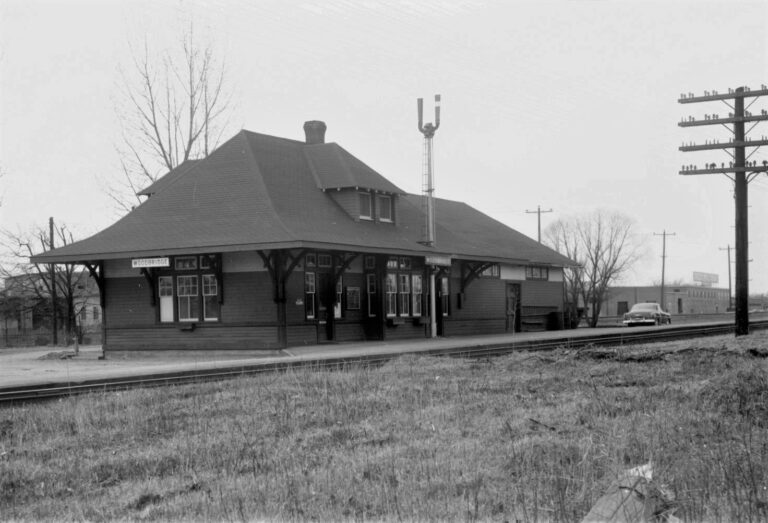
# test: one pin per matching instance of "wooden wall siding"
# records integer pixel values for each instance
(474, 327)
(247, 298)
(120, 269)
(542, 294)
(129, 303)
(348, 200)
(204, 337)
(302, 334)
(294, 290)
(404, 331)
(349, 331)
(248, 261)
(483, 298)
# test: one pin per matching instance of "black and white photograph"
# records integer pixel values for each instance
(384, 260)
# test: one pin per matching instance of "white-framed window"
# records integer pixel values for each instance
(210, 298)
(337, 305)
(536, 272)
(309, 295)
(384, 204)
(165, 293)
(445, 295)
(185, 263)
(494, 271)
(186, 293)
(371, 293)
(392, 262)
(366, 206)
(418, 298)
(391, 294)
(188, 300)
(353, 298)
(404, 289)
(404, 263)
(370, 262)
(324, 260)
(310, 260)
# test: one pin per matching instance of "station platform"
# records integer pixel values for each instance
(44, 366)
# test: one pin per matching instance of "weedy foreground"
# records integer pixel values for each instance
(528, 437)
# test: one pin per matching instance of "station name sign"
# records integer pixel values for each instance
(441, 261)
(148, 263)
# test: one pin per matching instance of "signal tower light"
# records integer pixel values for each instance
(740, 171)
(428, 204)
(428, 168)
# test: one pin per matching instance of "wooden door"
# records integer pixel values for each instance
(513, 308)
(326, 294)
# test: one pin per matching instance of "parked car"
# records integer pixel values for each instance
(646, 314)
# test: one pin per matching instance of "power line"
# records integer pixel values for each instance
(538, 211)
(730, 298)
(740, 170)
(664, 235)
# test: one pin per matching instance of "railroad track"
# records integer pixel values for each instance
(625, 337)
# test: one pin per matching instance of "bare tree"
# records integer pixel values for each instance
(34, 283)
(603, 245)
(172, 109)
(563, 236)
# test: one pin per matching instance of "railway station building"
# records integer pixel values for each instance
(272, 242)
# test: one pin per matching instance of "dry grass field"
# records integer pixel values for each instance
(528, 437)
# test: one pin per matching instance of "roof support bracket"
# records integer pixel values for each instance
(97, 273)
(151, 276)
(345, 260)
(274, 261)
(470, 271)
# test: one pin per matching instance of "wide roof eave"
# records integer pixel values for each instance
(297, 244)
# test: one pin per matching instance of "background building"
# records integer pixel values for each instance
(26, 311)
(678, 299)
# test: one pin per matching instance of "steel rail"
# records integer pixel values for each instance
(22, 394)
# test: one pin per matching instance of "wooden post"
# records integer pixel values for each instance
(53, 287)
(742, 228)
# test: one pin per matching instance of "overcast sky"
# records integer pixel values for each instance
(570, 105)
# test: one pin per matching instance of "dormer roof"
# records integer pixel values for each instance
(334, 168)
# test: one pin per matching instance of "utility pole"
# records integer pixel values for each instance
(538, 211)
(663, 235)
(730, 293)
(740, 171)
(53, 285)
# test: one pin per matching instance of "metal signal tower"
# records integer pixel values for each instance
(428, 172)
(742, 170)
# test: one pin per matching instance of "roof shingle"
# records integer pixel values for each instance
(261, 192)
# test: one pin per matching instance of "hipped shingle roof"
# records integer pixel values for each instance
(263, 192)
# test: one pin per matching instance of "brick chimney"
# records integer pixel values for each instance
(315, 132)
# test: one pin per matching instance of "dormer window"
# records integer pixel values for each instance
(366, 206)
(385, 208)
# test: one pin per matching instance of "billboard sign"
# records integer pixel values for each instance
(705, 278)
